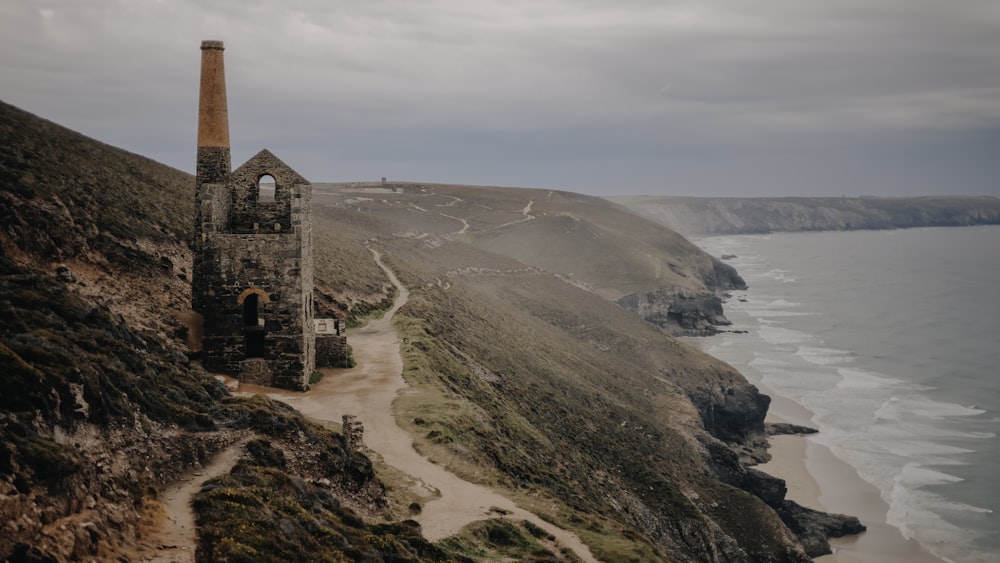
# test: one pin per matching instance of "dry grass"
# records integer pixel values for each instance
(526, 379)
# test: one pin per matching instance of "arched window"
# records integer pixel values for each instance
(266, 187)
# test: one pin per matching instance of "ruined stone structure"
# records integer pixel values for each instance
(331, 344)
(253, 269)
(353, 431)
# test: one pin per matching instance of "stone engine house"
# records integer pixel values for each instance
(253, 270)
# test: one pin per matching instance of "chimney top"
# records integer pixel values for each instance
(213, 113)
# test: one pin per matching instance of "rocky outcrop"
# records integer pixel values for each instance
(783, 428)
(734, 414)
(813, 527)
(724, 277)
(679, 311)
(717, 216)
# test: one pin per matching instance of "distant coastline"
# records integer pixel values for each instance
(738, 216)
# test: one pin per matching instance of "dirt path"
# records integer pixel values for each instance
(368, 391)
(175, 536)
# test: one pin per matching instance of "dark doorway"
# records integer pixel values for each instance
(253, 329)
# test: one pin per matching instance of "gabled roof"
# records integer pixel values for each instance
(265, 162)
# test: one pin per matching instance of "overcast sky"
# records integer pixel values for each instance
(716, 97)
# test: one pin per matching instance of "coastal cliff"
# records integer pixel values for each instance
(524, 375)
(726, 216)
(679, 312)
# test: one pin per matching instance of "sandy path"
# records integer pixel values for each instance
(176, 537)
(368, 391)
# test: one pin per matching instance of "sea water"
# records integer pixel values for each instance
(891, 340)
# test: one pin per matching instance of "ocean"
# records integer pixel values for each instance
(891, 341)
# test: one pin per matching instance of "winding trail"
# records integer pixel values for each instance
(462, 231)
(368, 391)
(526, 212)
(175, 538)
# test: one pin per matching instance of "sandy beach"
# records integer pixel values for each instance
(818, 479)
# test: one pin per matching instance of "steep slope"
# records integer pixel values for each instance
(101, 407)
(600, 244)
(526, 378)
(717, 216)
(593, 244)
(114, 223)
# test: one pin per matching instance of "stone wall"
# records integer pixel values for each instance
(250, 274)
(332, 351)
(353, 431)
(253, 271)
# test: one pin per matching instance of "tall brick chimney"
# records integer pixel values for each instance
(214, 161)
(213, 117)
(252, 278)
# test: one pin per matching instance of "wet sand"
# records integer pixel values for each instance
(368, 391)
(818, 479)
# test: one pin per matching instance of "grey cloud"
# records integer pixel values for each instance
(727, 96)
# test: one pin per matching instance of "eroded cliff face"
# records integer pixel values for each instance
(682, 311)
(720, 216)
(679, 312)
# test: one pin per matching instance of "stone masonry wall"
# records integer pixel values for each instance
(272, 263)
(279, 265)
(331, 351)
(253, 271)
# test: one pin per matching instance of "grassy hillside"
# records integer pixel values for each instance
(101, 407)
(109, 193)
(528, 378)
(591, 241)
(524, 374)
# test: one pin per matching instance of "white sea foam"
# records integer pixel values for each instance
(824, 356)
(767, 307)
(764, 362)
(918, 512)
(861, 380)
(779, 275)
(769, 313)
(915, 475)
(780, 335)
(929, 452)
(909, 513)
(925, 408)
(777, 303)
